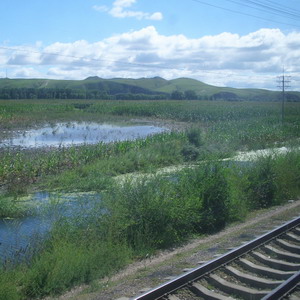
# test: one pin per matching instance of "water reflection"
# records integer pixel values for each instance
(74, 133)
(17, 236)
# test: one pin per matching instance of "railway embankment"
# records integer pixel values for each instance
(148, 273)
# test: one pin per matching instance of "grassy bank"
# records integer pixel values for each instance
(140, 217)
(209, 129)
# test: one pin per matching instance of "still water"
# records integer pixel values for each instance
(18, 236)
(77, 133)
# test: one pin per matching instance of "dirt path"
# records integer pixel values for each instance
(155, 270)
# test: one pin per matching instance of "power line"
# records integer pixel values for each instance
(292, 9)
(283, 82)
(242, 13)
(267, 8)
(277, 10)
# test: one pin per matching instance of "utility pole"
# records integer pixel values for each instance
(283, 82)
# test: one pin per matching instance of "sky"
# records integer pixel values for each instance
(234, 43)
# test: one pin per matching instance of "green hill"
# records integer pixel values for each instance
(126, 88)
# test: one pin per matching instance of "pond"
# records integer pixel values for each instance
(19, 236)
(77, 133)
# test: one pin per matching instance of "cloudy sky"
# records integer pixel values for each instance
(237, 43)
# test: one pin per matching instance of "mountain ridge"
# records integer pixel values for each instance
(178, 88)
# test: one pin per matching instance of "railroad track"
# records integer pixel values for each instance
(265, 268)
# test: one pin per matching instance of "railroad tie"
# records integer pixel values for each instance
(297, 230)
(264, 271)
(255, 281)
(234, 289)
(267, 265)
(275, 263)
(205, 293)
(292, 237)
(287, 246)
(172, 297)
(285, 255)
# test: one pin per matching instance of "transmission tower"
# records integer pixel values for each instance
(283, 84)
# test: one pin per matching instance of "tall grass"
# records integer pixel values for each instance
(19, 168)
(11, 208)
(141, 216)
(137, 218)
(217, 128)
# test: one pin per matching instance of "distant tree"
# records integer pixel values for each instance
(225, 96)
(292, 97)
(190, 95)
(177, 95)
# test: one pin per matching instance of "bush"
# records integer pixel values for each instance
(147, 214)
(190, 152)
(262, 184)
(215, 198)
(140, 214)
(288, 176)
(194, 136)
(238, 184)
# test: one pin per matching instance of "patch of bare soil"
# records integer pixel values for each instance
(150, 272)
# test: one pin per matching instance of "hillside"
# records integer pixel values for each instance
(126, 88)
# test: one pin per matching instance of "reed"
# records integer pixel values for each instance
(140, 216)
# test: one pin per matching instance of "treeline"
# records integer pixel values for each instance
(52, 93)
(59, 93)
(55, 93)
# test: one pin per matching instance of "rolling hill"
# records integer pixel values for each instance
(157, 87)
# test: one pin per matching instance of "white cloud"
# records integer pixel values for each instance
(25, 72)
(101, 8)
(252, 60)
(124, 3)
(119, 10)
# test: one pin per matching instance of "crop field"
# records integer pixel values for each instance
(140, 216)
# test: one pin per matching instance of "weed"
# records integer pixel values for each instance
(135, 219)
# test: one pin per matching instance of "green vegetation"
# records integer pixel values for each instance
(141, 215)
(219, 129)
(131, 89)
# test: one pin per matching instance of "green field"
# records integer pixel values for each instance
(148, 213)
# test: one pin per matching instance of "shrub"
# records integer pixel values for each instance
(139, 214)
(237, 184)
(288, 176)
(215, 198)
(262, 184)
(194, 136)
(190, 152)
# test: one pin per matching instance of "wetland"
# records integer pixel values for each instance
(76, 133)
(56, 229)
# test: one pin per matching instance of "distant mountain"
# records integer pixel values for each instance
(126, 88)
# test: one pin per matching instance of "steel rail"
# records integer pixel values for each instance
(283, 289)
(198, 272)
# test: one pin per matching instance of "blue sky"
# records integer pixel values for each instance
(239, 43)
